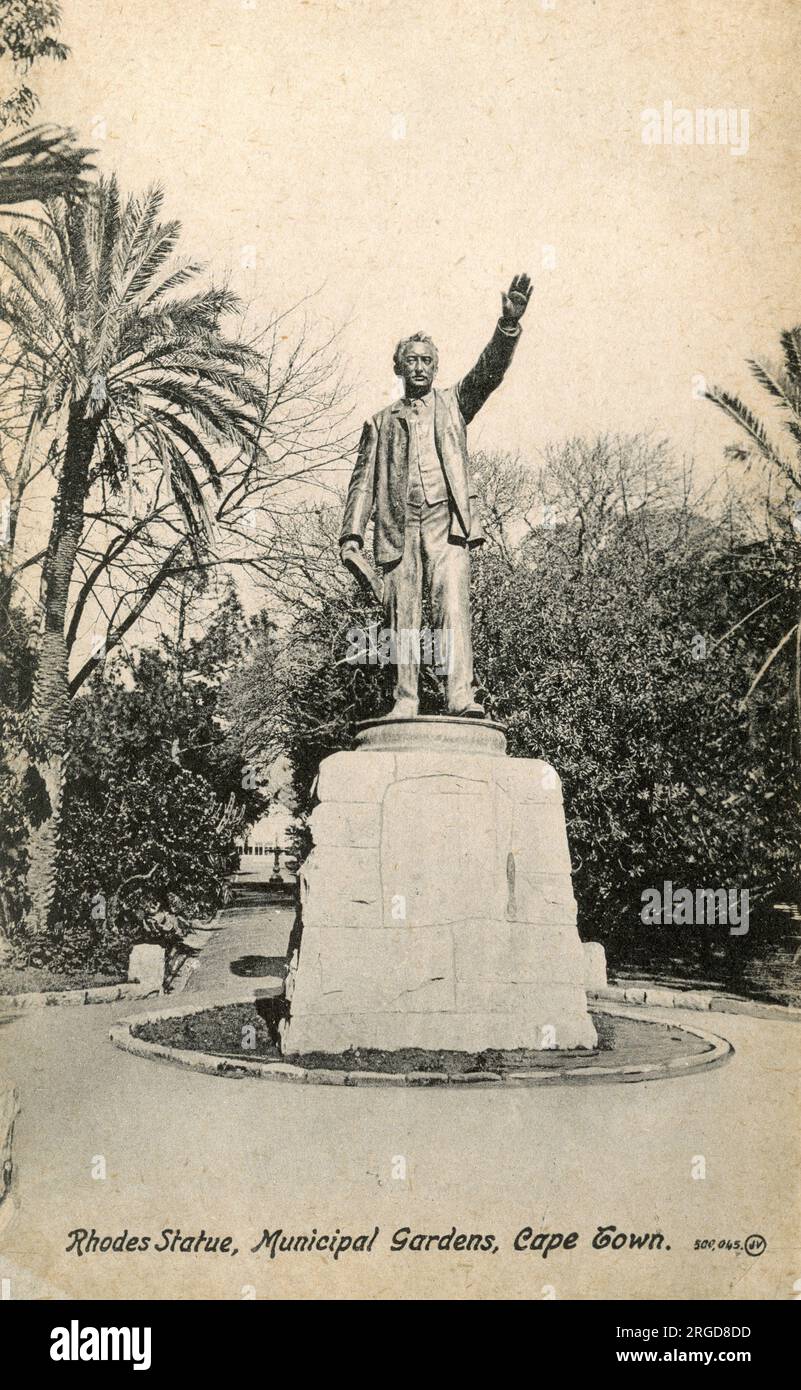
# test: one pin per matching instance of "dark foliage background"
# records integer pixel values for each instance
(604, 637)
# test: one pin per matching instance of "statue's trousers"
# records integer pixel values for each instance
(430, 554)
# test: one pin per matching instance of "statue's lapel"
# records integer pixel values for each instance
(439, 424)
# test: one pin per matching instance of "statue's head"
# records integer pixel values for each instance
(416, 362)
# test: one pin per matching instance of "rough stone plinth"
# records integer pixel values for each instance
(594, 965)
(146, 965)
(437, 905)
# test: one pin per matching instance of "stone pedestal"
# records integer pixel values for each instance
(594, 965)
(146, 966)
(437, 906)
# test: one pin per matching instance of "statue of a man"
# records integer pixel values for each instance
(412, 474)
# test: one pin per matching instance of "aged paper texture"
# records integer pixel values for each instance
(400, 473)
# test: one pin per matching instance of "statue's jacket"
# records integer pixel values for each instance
(379, 484)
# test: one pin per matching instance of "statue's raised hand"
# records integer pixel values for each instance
(516, 300)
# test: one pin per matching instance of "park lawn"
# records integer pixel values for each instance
(32, 980)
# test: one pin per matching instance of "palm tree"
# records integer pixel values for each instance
(784, 385)
(39, 164)
(90, 297)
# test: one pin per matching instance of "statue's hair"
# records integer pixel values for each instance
(404, 343)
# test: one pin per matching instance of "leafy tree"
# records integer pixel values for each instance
(43, 162)
(614, 678)
(155, 793)
(28, 33)
(145, 849)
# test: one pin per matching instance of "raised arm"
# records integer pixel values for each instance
(489, 371)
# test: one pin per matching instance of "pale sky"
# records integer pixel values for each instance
(275, 124)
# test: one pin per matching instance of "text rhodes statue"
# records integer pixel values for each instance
(412, 475)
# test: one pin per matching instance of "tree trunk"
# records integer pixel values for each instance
(51, 696)
(17, 484)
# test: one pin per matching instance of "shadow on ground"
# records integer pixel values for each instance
(255, 966)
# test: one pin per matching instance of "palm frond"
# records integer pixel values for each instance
(114, 465)
(186, 490)
(42, 163)
(27, 325)
(181, 275)
(791, 343)
(205, 309)
(213, 410)
(56, 210)
(108, 234)
(42, 250)
(28, 292)
(212, 372)
(794, 428)
(187, 436)
(745, 418)
(188, 354)
(782, 391)
(79, 227)
(138, 220)
(158, 250)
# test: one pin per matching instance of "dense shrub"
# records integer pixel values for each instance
(155, 793)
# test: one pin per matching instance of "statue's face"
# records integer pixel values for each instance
(418, 366)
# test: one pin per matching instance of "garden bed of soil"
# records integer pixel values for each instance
(221, 1032)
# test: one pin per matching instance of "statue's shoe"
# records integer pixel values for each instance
(403, 709)
(471, 711)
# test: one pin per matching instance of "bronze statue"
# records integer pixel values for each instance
(412, 475)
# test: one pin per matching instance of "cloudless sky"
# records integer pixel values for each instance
(402, 160)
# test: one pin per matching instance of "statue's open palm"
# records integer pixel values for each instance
(516, 300)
